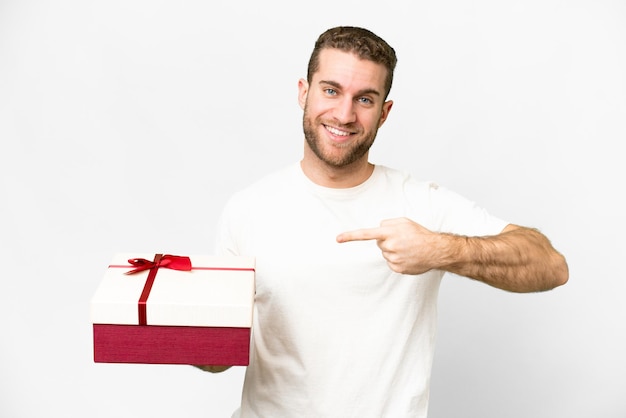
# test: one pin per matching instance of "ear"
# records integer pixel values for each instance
(385, 112)
(303, 90)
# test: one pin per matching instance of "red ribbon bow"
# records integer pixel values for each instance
(174, 262)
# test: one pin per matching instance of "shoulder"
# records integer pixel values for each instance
(437, 206)
(405, 180)
(425, 194)
(266, 188)
(445, 209)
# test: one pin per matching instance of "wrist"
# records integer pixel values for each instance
(454, 251)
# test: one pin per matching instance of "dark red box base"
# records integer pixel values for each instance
(151, 344)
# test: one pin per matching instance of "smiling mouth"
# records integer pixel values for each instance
(337, 132)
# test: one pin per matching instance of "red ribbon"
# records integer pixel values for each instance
(174, 262)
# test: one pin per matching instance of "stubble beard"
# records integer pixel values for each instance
(353, 152)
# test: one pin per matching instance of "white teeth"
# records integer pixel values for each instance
(336, 131)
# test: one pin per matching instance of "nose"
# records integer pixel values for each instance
(344, 111)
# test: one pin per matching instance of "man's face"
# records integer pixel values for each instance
(343, 107)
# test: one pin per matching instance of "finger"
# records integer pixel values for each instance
(361, 235)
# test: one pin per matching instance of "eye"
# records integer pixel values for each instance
(330, 91)
(365, 100)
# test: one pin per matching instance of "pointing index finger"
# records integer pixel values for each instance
(363, 234)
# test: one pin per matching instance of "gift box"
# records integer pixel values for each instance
(165, 309)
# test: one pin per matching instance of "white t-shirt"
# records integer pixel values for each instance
(336, 333)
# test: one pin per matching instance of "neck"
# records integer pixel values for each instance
(335, 177)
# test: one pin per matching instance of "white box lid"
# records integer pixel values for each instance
(217, 292)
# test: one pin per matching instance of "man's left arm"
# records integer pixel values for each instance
(519, 259)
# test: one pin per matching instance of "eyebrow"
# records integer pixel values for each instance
(359, 93)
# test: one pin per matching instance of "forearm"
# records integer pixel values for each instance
(519, 260)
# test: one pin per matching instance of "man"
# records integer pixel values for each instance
(350, 255)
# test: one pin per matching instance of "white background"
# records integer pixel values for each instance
(125, 125)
